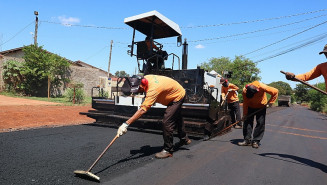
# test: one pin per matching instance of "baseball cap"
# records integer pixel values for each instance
(251, 90)
(131, 84)
(222, 80)
(324, 51)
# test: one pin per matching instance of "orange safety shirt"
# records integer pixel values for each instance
(259, 100)
(161, 89)
(232, 95)
(320, 69)
(148, 44)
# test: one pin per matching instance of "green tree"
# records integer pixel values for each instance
(42, 68)
(121, 74)
(12, 75)
(243, 70)
(317, 100)
(217, 64)
(283, 87)
(301, 93)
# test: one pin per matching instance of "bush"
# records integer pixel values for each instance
(79, 95)
(317, 99)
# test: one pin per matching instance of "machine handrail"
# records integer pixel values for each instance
(179, 63)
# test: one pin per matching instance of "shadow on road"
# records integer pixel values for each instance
(144, 151)
(298, 160)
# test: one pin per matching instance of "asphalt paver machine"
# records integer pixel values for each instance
(202, 111)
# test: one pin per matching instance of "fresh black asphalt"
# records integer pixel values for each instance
(293, 151)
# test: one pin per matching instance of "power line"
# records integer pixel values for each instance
(286, 38)
(189, 27)
(255, 36)
(96, 53)
(86, 26)
(261, 30)
(17, 33)
(294, 48)
(253, 21)
(320, 36)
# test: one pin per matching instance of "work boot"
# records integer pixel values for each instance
(163, 154)
(183, 142)
(244, 143)
(206, 138)
(255, 144)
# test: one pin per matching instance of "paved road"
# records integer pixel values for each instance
(293, 151)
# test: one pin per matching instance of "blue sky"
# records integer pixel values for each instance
(259, 30)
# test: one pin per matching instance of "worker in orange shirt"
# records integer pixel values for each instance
(320, 69)
(230, 90)
(255, 99)
(150, 44)
(166, 91)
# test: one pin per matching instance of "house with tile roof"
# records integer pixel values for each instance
(80, 72)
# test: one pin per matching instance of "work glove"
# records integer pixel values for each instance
(290, 76)
(122, 129)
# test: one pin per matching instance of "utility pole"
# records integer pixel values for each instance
(36, 13)
(110, 59)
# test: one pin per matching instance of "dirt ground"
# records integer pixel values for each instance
(19, 114)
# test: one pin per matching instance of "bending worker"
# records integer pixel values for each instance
(255, 99)
(320, 69)
(230, 90)
(162, 90)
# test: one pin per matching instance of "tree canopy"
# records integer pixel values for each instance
(42, 68)
(121, 74)
(283, 87)
(243, 70)
(38, 70)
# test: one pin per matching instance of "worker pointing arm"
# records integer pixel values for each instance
(317, 71)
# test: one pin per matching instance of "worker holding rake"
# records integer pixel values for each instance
(317, 71)
(229, 92)
(254, 104)
(164, 90)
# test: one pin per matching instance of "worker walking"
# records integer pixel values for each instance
(164, 90)
(317, 71)
(230, 90)
(254, 104)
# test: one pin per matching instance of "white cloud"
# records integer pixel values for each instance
(68, 21)
(199, 46)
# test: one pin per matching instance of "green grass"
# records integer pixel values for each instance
(62, 100)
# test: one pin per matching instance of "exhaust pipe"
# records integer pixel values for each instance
(184, 55)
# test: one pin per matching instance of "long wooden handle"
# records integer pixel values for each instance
(243, 119)
(104, 151)
(305, 83)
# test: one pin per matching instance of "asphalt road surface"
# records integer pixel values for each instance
(293, 151)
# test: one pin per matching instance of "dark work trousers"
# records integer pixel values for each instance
(235, 112)
(172, 118)
(259, 128)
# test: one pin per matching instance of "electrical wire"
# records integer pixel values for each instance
(17, 33)
(291, 45)
(286, 38)
(256, 31)
(188, 27)
(86, 26)
(255, 36)
(253, 21)
(319, 39)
